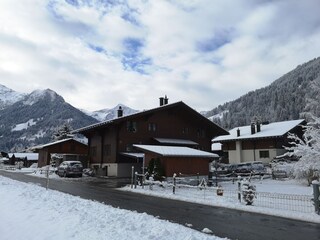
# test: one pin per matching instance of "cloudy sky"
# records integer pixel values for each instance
(97, 54)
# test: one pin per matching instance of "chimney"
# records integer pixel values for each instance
(166, 100)
(258, 126)
(120, 112)
(161, 101)
(238, 132)
(253, 128)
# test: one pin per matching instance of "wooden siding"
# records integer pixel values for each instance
(69, 147)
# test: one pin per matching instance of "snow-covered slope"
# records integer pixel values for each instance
(34, 118)
(9, 96)
(31, 119)
(37, 95)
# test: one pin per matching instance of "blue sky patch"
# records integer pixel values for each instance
(219, 39)
(132, 56)
(128, 16)
(73, 2)
(212, 44)
(96, 48)
(133, 45)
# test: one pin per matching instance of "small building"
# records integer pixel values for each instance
(118, 144)
(258, 141)
(67, 149)
(177, 160)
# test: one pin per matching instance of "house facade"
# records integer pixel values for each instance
(112, 150)
(258, 141)
(67, 149)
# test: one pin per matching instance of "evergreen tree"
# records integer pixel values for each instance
(63, 132)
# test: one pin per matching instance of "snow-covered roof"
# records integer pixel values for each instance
(171, 151)
(29, 156)
(56, 142)
(276, 129)
(175, 141)
(216, 147)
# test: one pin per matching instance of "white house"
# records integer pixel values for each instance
(258, 141)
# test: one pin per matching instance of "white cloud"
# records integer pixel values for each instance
(202, 52)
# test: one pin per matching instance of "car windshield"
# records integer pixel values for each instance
(75, 164)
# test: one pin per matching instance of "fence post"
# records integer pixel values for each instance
(316, 196)
(135, 180)
(198, 178)
(174, 183)
(47, 175)
(239, 189)
(132, 176)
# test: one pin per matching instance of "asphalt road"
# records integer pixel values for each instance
(223, 222)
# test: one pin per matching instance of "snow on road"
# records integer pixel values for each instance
(28, 211)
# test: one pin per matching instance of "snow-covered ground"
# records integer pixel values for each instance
(295, 209)
(61, 216)
(28, 211)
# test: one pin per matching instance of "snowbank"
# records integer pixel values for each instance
(30, 212)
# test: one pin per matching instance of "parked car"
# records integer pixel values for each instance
(286, 159)
(70, 168)
(248, 168)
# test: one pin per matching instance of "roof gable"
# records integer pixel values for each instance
(271, 130)
(166, 107)
(57, 142)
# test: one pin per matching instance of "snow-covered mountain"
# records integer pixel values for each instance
(9, 96)
(110, 113)
(33, 118)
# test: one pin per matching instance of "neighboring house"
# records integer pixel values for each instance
(68, 149)
(259, 141)
(118, 144)
(27, 158)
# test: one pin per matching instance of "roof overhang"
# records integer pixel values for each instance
(172, 141)
(175, 151)
(133, 155)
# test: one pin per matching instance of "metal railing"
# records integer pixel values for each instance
(280, 201)
(291, 202)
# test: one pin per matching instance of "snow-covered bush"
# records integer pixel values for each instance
(248, 191)
(284, 167)
(307, 149)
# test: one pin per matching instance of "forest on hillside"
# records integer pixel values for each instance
(293, 96)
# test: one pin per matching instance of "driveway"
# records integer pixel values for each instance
(223, 222)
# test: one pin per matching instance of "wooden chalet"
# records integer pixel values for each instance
(117, 145)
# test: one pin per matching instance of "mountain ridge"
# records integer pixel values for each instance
(31, 119)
